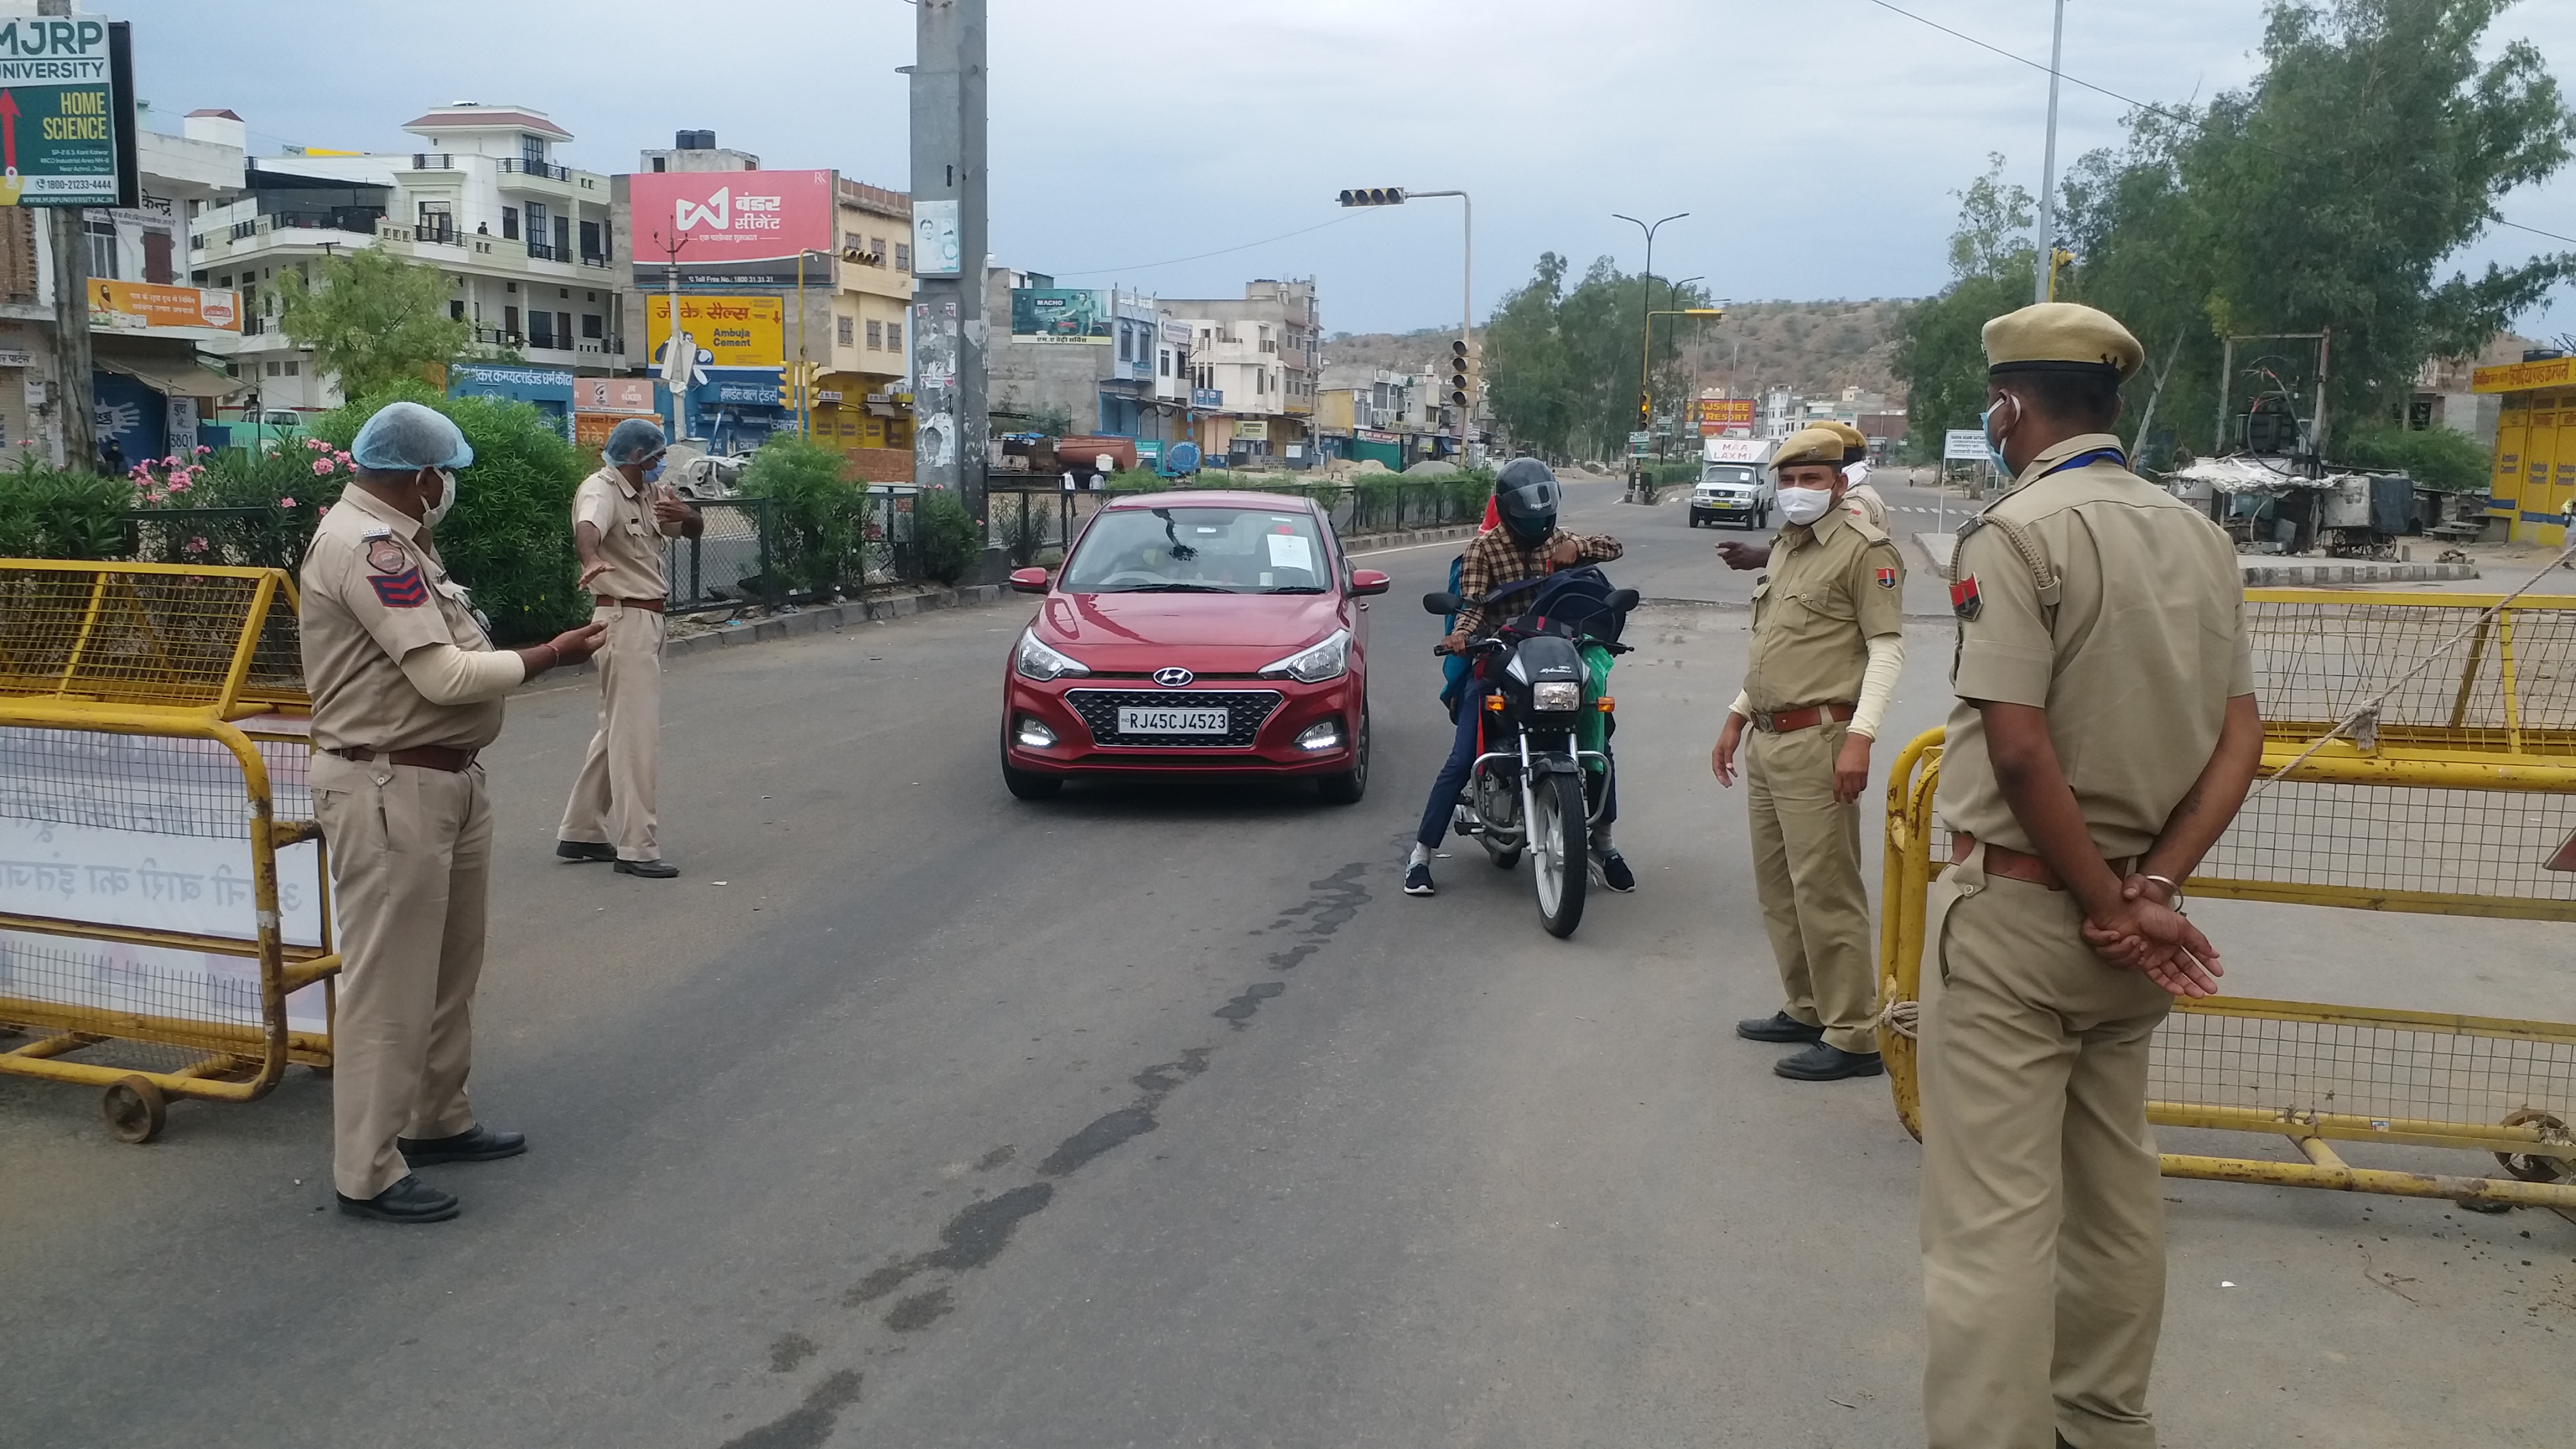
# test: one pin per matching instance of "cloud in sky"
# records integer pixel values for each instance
(1815, 145)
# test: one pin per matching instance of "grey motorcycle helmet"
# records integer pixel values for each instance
(1525, 496)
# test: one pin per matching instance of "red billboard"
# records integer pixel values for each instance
(1717, 415)
(722, 217)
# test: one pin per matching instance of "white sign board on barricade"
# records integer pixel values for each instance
(1963, 445)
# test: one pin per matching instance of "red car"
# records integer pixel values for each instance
(1194, 635)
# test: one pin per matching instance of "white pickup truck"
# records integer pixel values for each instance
(1734, 485)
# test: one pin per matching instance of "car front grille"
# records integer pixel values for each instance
(1246, 711)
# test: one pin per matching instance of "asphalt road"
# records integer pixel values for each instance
(913, 1115)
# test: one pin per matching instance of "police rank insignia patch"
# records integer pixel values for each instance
(386, 556)
(1887, 578)
(1965, 601)
(405, 590)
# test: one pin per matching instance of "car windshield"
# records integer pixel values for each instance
(1190, 550)
(1740, 477)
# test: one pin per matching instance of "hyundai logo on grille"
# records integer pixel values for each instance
(1173, 678)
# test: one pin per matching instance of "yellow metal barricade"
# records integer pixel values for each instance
(2452, 793)
(164, 925)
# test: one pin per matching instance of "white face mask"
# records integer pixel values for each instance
(446, 499)
(1805, 505)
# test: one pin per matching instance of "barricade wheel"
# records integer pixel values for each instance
(2531, 1166)
(135, 1110)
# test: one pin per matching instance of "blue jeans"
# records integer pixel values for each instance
(1462, 759)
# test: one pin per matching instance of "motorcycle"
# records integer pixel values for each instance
(1527, 791)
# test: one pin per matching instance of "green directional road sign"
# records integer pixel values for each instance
(66, 112)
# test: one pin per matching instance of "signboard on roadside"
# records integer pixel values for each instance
(66, 112)
(1718, 414)
(614, 395)
(141, 306)
(1061, 314)
(1963, 445)
(739, 331)
(721, 218)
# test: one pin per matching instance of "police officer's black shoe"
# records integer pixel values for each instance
(1778, 1026)
(477, 1143)
(408, 1201)
(585, 850)
(1824, 1062)
(649, 869)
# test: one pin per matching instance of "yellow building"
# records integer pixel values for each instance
(861, 398)
(2535, 450)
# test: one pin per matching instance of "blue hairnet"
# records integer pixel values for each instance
(632, 441)
(404, 437)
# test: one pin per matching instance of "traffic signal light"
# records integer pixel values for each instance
(1458, 392)
(1374, 196)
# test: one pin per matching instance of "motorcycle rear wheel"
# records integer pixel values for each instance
(1560, 851)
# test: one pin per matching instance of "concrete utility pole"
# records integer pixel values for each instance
(2041, 284)
(75, 413)
(950, 427)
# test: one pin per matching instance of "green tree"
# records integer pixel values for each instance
(1940, 349)
(2332, 193)
(1561, 365)
(372, 319)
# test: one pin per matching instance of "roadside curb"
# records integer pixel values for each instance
(1389, 542)
(1936, 548)
(1741, 606)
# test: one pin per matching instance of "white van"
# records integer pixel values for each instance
(1734, 486)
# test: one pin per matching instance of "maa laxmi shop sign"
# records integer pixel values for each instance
(66, 112)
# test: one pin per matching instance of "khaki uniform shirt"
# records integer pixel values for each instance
(1834, 585)
(630, 541)
(2134, 661)
(373, 591)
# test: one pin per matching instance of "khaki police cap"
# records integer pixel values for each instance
(1809, 445)
(2061, 337)
(1855, 446)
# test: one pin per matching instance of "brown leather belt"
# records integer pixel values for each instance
(606, 602)
(2030, 869)
(427, 757)
(1781, 721)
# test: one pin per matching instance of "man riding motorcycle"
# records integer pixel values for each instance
(1528, 545)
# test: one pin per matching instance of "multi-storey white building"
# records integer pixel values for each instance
(525, 242)
(1263, 353)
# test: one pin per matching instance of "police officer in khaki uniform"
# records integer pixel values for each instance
(620, 516)
(1828, 645)
(1860, 500)
(406, 688)
(2104, 735)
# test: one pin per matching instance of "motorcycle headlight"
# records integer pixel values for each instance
(1035, 660)
(1556, 694)
(1328, 659)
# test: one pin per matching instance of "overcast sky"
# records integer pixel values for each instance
(1815, 144)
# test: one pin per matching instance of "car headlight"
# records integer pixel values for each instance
(1329, 659)
(1035, 660)
(1556, 694)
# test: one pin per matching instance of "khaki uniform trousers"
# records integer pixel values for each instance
(613, 796)
(1806, 866)
(2043, 1220)
(411, 863)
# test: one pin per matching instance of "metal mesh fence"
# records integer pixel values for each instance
(2390, 1072)
(2508, 685)
(2397, 840)
(138, 637)
(727, 563)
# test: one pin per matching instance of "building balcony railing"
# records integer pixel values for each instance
(433, 161)
(593, 259)
(445, 236)
(544, 252)
(497, 337)
(545, 170)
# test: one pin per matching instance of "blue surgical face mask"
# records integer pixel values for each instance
(1994, 445)
(653, 471)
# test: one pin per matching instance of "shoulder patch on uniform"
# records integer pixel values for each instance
(407, 590)
(1887, 578)
(1965, 601)
(385, 556)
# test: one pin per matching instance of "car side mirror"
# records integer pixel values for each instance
(1623, 600)
(1370, 581)
(1029, 581)
(1437, 603)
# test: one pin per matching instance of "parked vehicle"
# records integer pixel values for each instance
(1527, 790)
(1734, 486)
(1204, 636)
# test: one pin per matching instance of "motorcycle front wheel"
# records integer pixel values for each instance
(1560, 851)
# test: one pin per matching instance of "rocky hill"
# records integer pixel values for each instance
(1814, 347)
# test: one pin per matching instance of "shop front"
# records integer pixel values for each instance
(2534, 478)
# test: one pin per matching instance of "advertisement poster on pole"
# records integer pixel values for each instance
(66, 112)
(737, 331)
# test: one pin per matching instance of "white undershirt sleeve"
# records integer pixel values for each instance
(1743, 704)
(445, 674)
(1878, 683)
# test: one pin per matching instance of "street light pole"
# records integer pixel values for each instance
(2047, 249)
(1645, 340)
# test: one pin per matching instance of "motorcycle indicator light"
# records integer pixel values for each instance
(1494, 703)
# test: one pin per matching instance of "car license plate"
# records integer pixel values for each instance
(1139, 720)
